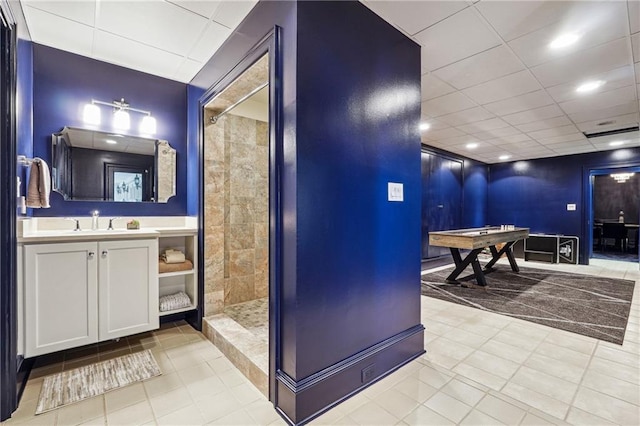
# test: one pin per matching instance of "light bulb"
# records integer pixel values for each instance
(589, 86)
(91, 114)
(148, 125)
(425, 126)
(564, 40)
(121, 120)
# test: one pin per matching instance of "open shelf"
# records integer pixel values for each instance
(180, 281)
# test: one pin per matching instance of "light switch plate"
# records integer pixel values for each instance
(571, 207)
(396, 191)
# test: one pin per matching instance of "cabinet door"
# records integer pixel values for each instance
(61, 309)
(128, 290)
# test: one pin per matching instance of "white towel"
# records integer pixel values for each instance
(174, 301)
(39, 187)
(173, 256)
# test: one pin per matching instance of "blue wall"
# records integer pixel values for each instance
(348, 293)
(535, 193)
(63, 82)
(24, 115)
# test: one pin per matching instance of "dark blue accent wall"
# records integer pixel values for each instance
(358, 255)
(348, 285)
(24, 116)
(535, 193)
(63, 82)
(193, 94)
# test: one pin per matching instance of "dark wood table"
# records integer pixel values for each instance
(476, 240)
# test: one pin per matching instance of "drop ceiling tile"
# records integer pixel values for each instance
(629, 138)
(82, 12)
(455, 38)
(596, 101)
(485, 66)
(562, 120)
(520, 103)
(634, 16)
(414, 16)
(620, 121)
(441, 134)
(459, 140)
(582, 149)
(512, 19)
(572, 137)
(435, 124)
(503, 88)
(497, 133)
(204, 8)
(447, 104)
(231, 12)
(602, 114)
(553, 132)
(483, 126)
(137, 56)
(574, 144)
(433, 87)
(580, 65)
(467, 116)
(516, 139)
(213, 37)
(635, 45)
(54, 31)
(597, 22)
(187, 70)
(619, 77)
(537, 114)
(637, 68)
(166, 26)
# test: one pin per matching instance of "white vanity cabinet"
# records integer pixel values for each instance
(78, 293)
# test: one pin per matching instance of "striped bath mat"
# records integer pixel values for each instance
(84, 382)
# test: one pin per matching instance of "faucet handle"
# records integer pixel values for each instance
(77, 223)
(110, 227)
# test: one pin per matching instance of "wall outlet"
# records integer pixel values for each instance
(395, 191)
(367, 373)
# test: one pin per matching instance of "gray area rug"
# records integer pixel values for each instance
(592, 306)
(84, 382)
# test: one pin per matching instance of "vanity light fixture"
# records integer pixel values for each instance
(589, 86)
(121, 119)
(425, 126)
(564, 40)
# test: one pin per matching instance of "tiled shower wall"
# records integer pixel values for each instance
(236, 212)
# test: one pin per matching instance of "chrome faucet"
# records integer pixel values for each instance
(94, 220)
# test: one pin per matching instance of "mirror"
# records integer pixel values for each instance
(88, 165)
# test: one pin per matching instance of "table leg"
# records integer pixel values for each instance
(512, 260)
(479, 273)
(461, 264)
(495, 256)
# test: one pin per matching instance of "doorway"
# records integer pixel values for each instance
(236, 152)
(614, 214)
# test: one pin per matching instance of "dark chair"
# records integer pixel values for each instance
(615, 231)
(597, 237)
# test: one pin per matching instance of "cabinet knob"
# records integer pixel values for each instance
(91, 254)
(104, 253)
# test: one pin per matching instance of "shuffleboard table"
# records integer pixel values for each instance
(476, 240)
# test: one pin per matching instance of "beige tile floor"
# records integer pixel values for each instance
(480, 369)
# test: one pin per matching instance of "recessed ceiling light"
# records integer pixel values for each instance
(472, 145)
(564, 40)
(504, 157)
(616, 143)
(424, 126)
(110, 141)
(589, 86)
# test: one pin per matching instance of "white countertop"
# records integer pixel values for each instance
(63, 231)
